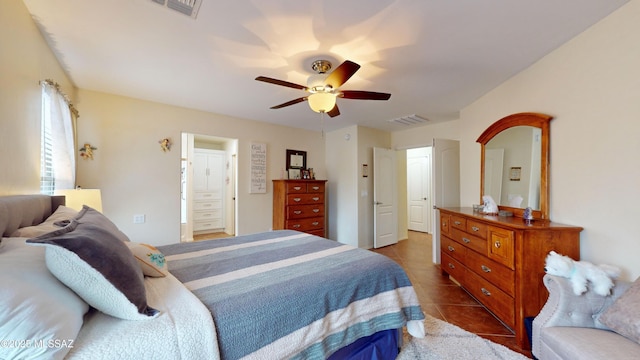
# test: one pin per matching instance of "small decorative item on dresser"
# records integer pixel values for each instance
(490, 206)
(527, 215)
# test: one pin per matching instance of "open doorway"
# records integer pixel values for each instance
(443, 186)
(208, 189)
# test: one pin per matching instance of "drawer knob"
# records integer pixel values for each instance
(316, 210)
(497, 244)
(316, 188)
(475, 228)
(316, 198)
(298, 212)
(457, 222)
(315, 223)
(451, 248)
(465, 240)
(296, 226)
(485, 269)
(451, 266)
(296, 199)
(297, 188)
(486, 292)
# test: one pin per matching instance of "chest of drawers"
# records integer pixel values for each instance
(500, 260)
(299, 205)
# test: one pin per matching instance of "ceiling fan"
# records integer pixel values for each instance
(323, 89)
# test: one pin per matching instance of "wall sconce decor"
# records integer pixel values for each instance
(165, 144)
(86, 152)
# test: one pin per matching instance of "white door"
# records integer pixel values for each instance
(200, 172)
(446, 184)
(419, 189)
(385, 197)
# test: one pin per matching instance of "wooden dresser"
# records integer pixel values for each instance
(500, 260)
(299, 205)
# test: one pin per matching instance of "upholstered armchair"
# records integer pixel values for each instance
(569, 326)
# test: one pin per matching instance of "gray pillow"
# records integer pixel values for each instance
(623, 316)
(91, 216)
(61, 214)
(90, 257)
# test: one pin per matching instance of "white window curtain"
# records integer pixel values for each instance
(58, 169)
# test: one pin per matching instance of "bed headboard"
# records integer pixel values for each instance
(18, 211)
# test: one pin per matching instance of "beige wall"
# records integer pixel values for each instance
(367, 139)
(591, 86)
(25, 59)
(350, 214)
(342, 188)
(136, 177)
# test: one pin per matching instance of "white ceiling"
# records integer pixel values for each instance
(434, 56)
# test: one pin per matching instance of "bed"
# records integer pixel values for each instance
(273, 295)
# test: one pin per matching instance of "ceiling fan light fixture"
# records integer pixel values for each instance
(322, 102)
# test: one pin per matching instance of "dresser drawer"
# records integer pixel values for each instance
(207, 215)
(304, 211)
(498, 274)
(476, 228)
(453, 249)
(452, 267)
(315, 188)
(497, 301)
(445, 224)
(501, 246)
(204, 196)
(207, 205)
(207, 224)
(458, 222)
(296, 187)
(319, 232)
(305, 224)
(303, 199)
(472, 242)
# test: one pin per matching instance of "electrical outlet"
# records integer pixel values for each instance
(138, 219)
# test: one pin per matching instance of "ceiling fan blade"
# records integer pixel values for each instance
(334, 112)
(364, 95)
(342, 73)
(281, 82)
(288, 103)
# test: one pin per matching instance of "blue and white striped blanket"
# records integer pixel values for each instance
(286, 294)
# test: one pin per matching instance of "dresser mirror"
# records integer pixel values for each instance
(514, 163)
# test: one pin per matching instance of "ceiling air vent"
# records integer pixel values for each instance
(409, 120)
(187, 7)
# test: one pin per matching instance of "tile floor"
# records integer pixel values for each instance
(441, 297)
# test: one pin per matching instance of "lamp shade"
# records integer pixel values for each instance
(322, 102)
(75, 198)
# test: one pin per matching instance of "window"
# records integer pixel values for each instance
(57, 155)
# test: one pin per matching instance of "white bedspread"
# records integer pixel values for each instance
(183, 330)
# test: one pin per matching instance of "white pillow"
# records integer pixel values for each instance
(61, 215)
(39, 315)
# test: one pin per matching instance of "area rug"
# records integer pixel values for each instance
(445, 341)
